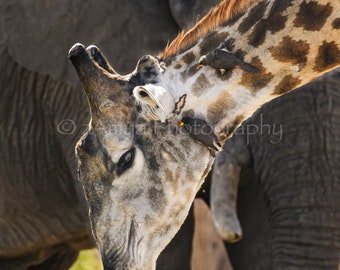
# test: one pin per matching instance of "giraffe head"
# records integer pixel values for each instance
(140, 169)
(138, 191)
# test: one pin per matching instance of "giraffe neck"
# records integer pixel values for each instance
(290, 42)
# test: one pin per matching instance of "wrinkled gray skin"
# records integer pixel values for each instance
(43, 113)
(289, 192)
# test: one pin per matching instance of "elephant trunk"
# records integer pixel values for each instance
(224, 186)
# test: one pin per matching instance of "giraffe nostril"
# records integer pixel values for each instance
(237, 237)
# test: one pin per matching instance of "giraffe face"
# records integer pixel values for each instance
(138, 175)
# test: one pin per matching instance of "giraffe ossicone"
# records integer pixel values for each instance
(140, 170)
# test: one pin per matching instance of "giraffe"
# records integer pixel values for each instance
(154, 133)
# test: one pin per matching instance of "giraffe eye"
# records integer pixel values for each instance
(126, 161)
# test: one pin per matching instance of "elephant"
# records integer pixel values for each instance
(285, 162)
(44, 112)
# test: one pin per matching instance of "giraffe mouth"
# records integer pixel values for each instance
(134, 241)
(126, 256)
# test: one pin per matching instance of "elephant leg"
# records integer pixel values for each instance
(60, 257)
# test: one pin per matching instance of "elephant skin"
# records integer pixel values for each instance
(287, 155)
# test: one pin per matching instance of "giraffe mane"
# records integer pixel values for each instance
(222, 13)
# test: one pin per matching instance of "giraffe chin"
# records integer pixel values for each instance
(133, 215)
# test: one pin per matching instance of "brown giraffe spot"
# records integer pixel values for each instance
(170, 178)
(158, 230)
(153, 164)
(212, 41)
(220, 107)
(328, 56)
(177, 66)
(257, 37)
(230, 128)
(188, 58)
(287, 84)
(312, 16)
(168, 174)
(256, 81)
(191, 71)
(200, 85)
(280, 6)
(255, 14)
(273, 23)
(290, 50)
(234, 19)
(156, 198)
(336, 23)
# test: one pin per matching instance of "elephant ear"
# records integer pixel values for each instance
(156, 102)
(47, 42)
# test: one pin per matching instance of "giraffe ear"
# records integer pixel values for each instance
(156, 102)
